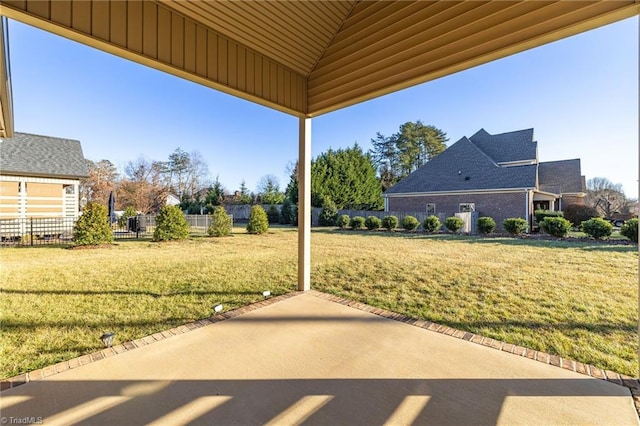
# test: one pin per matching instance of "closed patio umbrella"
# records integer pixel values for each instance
(112, 207)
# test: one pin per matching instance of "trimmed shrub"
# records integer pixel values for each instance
(515, 225)
(556, 226)
(220, 223)
(454, 223)
(372, 223)
(93, 227)
(328, 214)
(258, 221)
(171, 225)
(410, 223)
(431, 224)
(577, 213)
(286, 210)
(273, 214)
(343, 221)
(486, 225)
(540, 215)
(390, 223)
(630, 229)
(128, 212)
(597, 227)
(357, 222)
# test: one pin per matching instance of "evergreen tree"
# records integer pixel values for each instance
(93, 227)
(215, 196)
(258, 221)
(269, 190)
(292, 187)
(348, 178)
(243, 196)
(403, 152)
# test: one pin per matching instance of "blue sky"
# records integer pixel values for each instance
(579, 94)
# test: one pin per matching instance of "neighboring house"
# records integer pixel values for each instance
(494, 175)
(172, 200)
(40, 177)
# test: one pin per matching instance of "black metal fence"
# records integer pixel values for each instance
(41, 231)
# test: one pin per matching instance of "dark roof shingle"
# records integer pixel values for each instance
(464, 167)
(563, 174)
(44, 156)
(507, 147)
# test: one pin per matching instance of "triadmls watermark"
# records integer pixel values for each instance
(27, 420)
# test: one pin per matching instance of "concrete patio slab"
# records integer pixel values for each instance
(309, 360)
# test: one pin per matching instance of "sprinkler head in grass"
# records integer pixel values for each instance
(217, 308)
(107, 339)
(266, 294)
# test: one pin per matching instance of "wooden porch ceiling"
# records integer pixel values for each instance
(311, 57)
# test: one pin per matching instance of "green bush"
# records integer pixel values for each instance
(556, 226)
(431, 224)
(328, 214)
(171, 225)
(390, 223)
(294, 215)
(630, 229)
(286, 211)
(597, 227)
(343, 221)
(128, 212)
(372, 223)
(93, 227)
(357, 222)
(577, 213)
(515, 225)
(258, 221)
(221, 223)
(410, 223)
(454, 223)
(273, 215)
(540, 215)
(486, 225)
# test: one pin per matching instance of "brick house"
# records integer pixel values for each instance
(40, 177)
(494, 175)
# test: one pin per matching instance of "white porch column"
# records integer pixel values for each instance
(304, 204)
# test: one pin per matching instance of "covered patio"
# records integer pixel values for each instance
(307, 358)
(311, 358)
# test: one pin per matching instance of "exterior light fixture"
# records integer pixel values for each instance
(266, 293)
(107, 339)
(217, 308)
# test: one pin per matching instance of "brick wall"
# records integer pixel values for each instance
(498, 206)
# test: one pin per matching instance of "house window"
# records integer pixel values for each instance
(69, 189)
(431, 208)
(467, 207)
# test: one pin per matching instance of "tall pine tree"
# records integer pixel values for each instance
(402, 153)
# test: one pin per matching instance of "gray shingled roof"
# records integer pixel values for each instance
(507, 147)
(42, 156)
(449, 171)
(564, 174)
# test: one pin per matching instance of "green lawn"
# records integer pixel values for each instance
(577, 300)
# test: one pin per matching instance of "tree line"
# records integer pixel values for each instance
(345, 178)
(145, 185)
(348, 178)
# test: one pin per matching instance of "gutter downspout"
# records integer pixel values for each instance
(526, 209)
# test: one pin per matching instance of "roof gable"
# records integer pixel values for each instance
(507, 147)
(464, 167)
(564, 176)
(34, 155)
